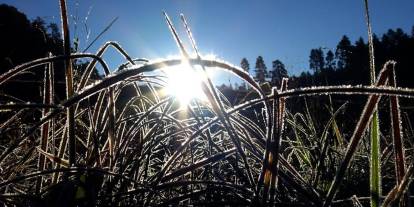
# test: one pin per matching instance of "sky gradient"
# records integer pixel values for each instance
(230, 29)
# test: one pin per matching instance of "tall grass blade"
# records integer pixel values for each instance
(100, 34)
(375, 160)
(397, 136)
(44, 134)
(279, 116)
(70, 116)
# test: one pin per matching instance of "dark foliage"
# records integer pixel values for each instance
(23, 40)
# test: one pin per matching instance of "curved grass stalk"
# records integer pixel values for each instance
(120, 76)
(42, 61)
(92, 64)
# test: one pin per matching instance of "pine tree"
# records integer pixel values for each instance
(316, 60)
(245, 65)
(261, 70)
(343, 52)
(278, 72)
(330, 60)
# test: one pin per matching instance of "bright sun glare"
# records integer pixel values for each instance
(184, 83)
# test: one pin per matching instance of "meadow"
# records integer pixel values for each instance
(123, 141)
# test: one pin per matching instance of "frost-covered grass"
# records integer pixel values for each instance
(103, 146)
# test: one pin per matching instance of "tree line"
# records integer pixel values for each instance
(347, 64)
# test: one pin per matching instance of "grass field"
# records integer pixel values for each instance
(103, 146)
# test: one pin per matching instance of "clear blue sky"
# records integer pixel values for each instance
(231, 29)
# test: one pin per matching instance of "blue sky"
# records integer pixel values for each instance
(231, 29)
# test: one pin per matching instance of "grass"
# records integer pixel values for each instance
(102, 150)
(375, 168)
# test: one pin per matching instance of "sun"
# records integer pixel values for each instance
(184, 83)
